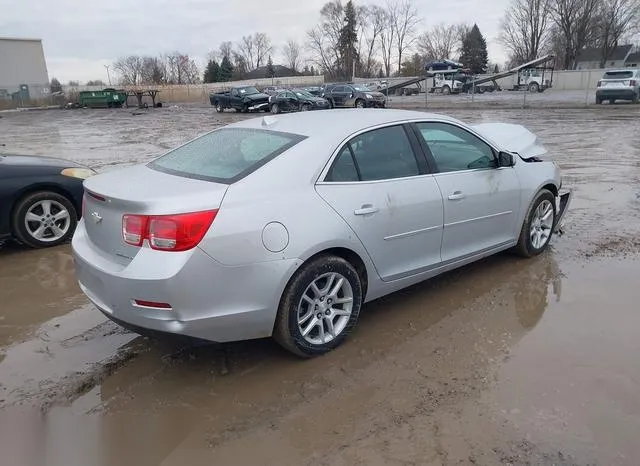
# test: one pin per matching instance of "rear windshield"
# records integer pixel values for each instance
(618, 75)
(225, 155)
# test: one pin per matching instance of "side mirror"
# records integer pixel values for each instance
(505, 160)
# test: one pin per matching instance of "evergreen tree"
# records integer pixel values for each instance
(474, 51)
(347, 45)
(211, 72)
(226, 70)
(55, 85)
(271, 72)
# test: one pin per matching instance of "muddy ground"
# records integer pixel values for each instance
(507, 361)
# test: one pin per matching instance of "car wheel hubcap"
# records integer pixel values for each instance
(47, 221)
(325, 308)
(541, 225)
(274, 109)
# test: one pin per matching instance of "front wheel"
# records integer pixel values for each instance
(538, 225)
(275, 109)
(44, 219)
(219, 108)
(446, 90)
(319, 307)
(534, 87)
(360, 103)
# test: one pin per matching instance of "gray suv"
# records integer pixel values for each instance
(621, 84)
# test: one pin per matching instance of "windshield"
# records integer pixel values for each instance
(248, 90)
(361, 88)
(618, 75)
(303, 94)
(225, 155)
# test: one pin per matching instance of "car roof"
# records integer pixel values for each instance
(336, 124)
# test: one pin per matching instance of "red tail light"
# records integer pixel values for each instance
(632, 82)
(599, 83)
(84, 204)
(179, 232)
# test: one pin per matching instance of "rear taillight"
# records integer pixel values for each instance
(599, 83)
(84, 204)
(134, 229)
(179, 232)
(633, 82)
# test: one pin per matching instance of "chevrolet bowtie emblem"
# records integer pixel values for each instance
(96, 217)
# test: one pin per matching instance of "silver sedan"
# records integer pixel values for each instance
(284, 226)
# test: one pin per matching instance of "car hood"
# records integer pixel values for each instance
(512, 138)
(375, 94)
(37, 160)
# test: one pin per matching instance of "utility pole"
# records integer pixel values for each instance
(108, 75)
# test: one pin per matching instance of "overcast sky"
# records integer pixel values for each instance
(81, 36)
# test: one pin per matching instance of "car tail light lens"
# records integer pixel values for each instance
(179, 232)
(632, 82)
(599, 83)
(84, 204)
(134, 228)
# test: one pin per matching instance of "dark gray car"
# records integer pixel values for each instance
(354, 95)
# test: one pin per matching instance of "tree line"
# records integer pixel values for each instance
(386, 40)
(565, 27)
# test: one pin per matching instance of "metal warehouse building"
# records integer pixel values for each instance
(23, 70)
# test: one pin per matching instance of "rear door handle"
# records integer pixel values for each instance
(366, 210)
(456, 196)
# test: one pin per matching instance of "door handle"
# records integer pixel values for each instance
(456, 196)
(366, 210)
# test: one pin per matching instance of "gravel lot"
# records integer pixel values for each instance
(506, 361)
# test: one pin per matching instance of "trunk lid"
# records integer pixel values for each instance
(512, 138)
(140, 190)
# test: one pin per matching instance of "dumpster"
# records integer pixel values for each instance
(106, 98)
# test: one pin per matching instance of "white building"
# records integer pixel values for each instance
(23, 70)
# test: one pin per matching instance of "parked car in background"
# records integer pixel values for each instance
(295, 100)
(242, 99)
(270, 90)
(40, 199)
(353, 95)
(286, 225)
(314, 90)
(623, 84)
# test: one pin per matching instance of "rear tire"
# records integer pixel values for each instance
(219, 107)
(538, 225)
(360, 103)
(275, 109)
(446, 90)
(302, 324)
(44, 219)
(534, 87)
(636, 98)
(598, 100)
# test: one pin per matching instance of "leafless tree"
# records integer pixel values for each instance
(438, 42)
(387, 40)
(226, 49)
(576, 21)
(404, 19)
(181, 69)
(615, 19)
(154, 71)
(323, 40)
(292, 54)
(254, 49)
(263, 48)
(129, 68)
(372, 18)
(526, 29)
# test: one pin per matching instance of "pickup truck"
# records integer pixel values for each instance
(242, 99)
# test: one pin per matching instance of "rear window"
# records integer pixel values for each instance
(618, 75)
(225, 155)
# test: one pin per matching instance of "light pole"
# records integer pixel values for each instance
(108, 75)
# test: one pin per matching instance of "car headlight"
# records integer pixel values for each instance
(81, 173)
(368, 96)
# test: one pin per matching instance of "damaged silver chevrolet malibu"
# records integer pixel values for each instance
(284, 226)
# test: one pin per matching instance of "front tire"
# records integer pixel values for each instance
(360, 103)
(219, 108)
(446, 90)
(275, 109)
(44, 219)
(537, 229)
(534, 87)
(319, 307)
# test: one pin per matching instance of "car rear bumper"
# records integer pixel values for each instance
(208, 300)
(617, 93)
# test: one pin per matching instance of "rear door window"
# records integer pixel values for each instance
(225, 155)
(618, 75)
